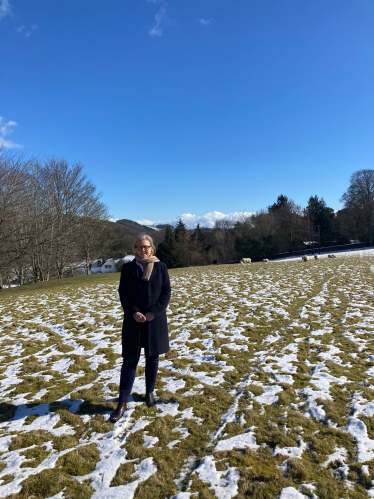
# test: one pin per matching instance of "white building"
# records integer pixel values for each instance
(102, 266)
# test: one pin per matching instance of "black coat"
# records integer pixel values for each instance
(159, 292)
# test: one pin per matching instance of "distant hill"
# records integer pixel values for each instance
(163, 226)
(122, 233)
(134, 225)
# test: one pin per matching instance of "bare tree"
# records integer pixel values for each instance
(93, 233)
(13, 176)
(359, 198)
(51, 217)
(224, 237)
(74, 204)
(14, 179)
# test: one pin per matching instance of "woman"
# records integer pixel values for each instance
(144, 291)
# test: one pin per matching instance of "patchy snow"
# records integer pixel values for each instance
(284, 378)
(291, 451)
(168, 409)
(298, 332)
(365, 445)
(149, 441)
(144, 470)
(223, 483)
(173, 384)
(238, 442)
(269, 397)
(291, 493)
(340, 455)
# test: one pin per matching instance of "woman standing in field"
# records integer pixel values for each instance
(144, 291)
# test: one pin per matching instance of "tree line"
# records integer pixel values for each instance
(281, 228)
(51, 217)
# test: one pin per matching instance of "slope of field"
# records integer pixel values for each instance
(267, 390)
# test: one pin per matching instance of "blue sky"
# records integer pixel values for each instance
(193, 106)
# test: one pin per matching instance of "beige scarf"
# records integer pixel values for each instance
(147, 264)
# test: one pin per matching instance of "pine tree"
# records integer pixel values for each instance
(321, 218)
(197, 235)
(180, 232)
(183, 244)
(169, 238)
(282, 202)
(288, 224)
(166, 250)
(196, 248)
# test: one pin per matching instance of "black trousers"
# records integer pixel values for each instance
(129, 366)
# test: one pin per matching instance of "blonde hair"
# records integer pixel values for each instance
(148, 238)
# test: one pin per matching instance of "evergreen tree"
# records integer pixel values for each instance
(180, 232)
(197, 234)
(289, 225)
(169, 237)
(197, 239)
(182, 243)
(281, 202)
(196, 247)
(321, 218)
(166, 250)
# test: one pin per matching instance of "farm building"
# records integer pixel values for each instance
(102, 266)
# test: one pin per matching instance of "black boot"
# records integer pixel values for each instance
(150, 399)
(118, 413)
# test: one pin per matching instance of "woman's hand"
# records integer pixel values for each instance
(139, 317)
(149, 316)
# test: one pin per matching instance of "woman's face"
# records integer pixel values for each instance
(143, 248)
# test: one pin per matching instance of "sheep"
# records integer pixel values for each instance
(305, 258)
(331, 256)
(266, 260)
(316, 257)
(245, 260)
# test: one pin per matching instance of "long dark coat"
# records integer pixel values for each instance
(159, 292)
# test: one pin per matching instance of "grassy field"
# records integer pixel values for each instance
(267, 391)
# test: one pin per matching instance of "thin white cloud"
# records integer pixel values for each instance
(205, 22)
(161, 19)
(26, 32)
(207, 220)
(5, 9)
(6, 128)
(30, 31)
(9, 144)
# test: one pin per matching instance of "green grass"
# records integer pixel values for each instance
(76, 322)
(58, 284)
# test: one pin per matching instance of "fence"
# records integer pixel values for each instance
(315, 249)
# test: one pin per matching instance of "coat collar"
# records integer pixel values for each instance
(135, 269)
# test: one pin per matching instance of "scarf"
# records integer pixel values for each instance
(147, 264)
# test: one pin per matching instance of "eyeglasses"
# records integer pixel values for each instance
(144, 248)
